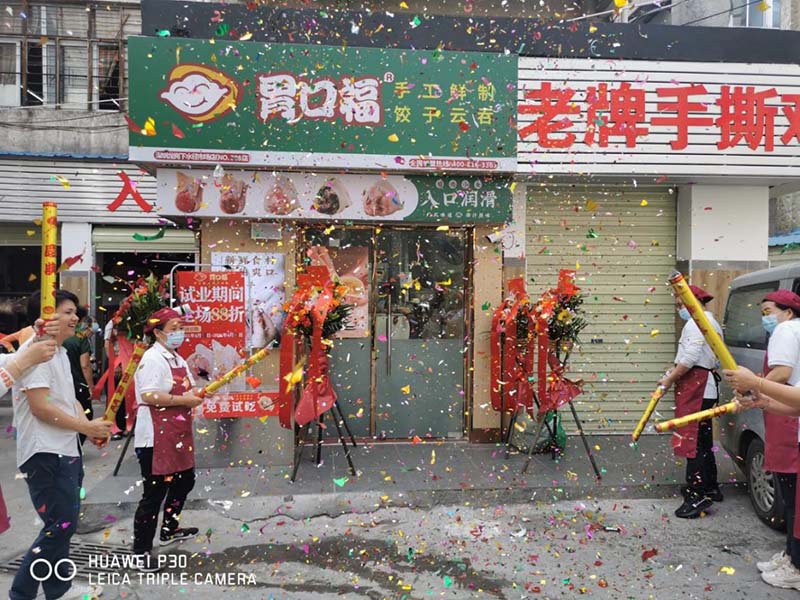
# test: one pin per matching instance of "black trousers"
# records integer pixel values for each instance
(701, 471)
(155, 489)
(788, 485)
(84, 397)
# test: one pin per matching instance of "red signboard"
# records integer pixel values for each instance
(215, 339)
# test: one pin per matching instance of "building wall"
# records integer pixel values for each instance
(685, 12)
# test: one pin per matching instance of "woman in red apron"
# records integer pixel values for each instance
(695, 390)
(164, 440)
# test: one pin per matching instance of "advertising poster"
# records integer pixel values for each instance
(233, 193)
(263, 293)
(351, 267)
(215, 333)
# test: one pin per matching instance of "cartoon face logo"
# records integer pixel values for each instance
(200, 93)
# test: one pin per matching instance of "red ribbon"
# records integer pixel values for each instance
(128, 189)
(287, 355)
(511, 386)
(318, 395)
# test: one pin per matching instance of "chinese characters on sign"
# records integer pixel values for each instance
(215, 334)
(289, 105)
(747, 116)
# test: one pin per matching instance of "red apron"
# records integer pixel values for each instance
(173, 441)
(5, 522)
(689, 392)
(780, 440)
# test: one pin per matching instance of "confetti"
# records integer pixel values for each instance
(393, 137)
(341, 481)
(648, 554)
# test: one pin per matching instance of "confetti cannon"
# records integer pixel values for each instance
(716, 344)
(49, 266)
(648, 412)
(233, 373)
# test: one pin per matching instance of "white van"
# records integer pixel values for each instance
(742, 435)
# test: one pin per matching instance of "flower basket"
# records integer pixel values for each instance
(148, 295)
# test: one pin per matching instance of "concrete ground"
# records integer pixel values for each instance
(428, 520)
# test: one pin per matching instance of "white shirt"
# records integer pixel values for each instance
(784, 348)
(693, 351)
(35, 436)
(154, 374)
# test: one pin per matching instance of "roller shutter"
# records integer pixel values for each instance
(120, 239)
(623, 242)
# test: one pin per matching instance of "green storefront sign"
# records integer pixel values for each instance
(251, 104)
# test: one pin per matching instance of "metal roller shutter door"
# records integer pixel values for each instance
(625, 252)
(120, 239)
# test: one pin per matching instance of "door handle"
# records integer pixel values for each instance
(389, 335)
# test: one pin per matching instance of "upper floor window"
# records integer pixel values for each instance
(765, 13)
(69, 55)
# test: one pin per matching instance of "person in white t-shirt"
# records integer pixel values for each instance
(48, 419)
(164, 439)
(15, 366)
(695, 390)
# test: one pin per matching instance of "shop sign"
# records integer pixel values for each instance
(215, 336)
(270, 195)
(629, 117)
(288, 105)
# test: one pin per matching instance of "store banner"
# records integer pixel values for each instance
(288, 105)
(215, 334)
(270, 195)
(263, 293)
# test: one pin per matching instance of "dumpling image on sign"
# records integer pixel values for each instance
(381, 199)
(233, 195)
(200, 93)
(282, 198)
(201, 363)
(188, 193)
(332, 198)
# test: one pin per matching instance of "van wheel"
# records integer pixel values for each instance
(764, 494)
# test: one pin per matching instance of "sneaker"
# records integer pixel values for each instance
(146, 563)
(83, 592)
(176, 535)
(786, 576)
(693, 506)
(777, 561)
(714, 493)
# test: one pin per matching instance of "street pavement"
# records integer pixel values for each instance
(411, 526)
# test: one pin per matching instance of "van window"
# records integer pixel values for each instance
(743, 316)
(796, 286)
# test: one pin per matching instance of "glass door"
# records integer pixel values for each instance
(399, 368)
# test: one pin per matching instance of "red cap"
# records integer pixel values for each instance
(160, 317)
(785, 298)
(701, 294)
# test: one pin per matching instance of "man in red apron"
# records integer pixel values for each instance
(695, 389)
(164, 437)
(780, 311)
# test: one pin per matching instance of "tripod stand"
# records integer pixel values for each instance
(339, 420)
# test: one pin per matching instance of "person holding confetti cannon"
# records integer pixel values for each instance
(777, 394)
(695, 389)
(164, 439)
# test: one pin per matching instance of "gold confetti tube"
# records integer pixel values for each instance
(49, 266)
(651, 406)
(233, 373)
(717, 411)
(125, 382)
(692, 304)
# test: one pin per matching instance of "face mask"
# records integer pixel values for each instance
(175, 339)
(769, 322)
(683, 313)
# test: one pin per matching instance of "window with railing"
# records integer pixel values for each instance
(761, 13)
(67, 55)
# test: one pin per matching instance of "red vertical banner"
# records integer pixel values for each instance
(215, 340)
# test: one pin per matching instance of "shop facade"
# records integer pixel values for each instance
(387, 167)
(640, 150)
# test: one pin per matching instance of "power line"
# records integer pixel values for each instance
(658, 10)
